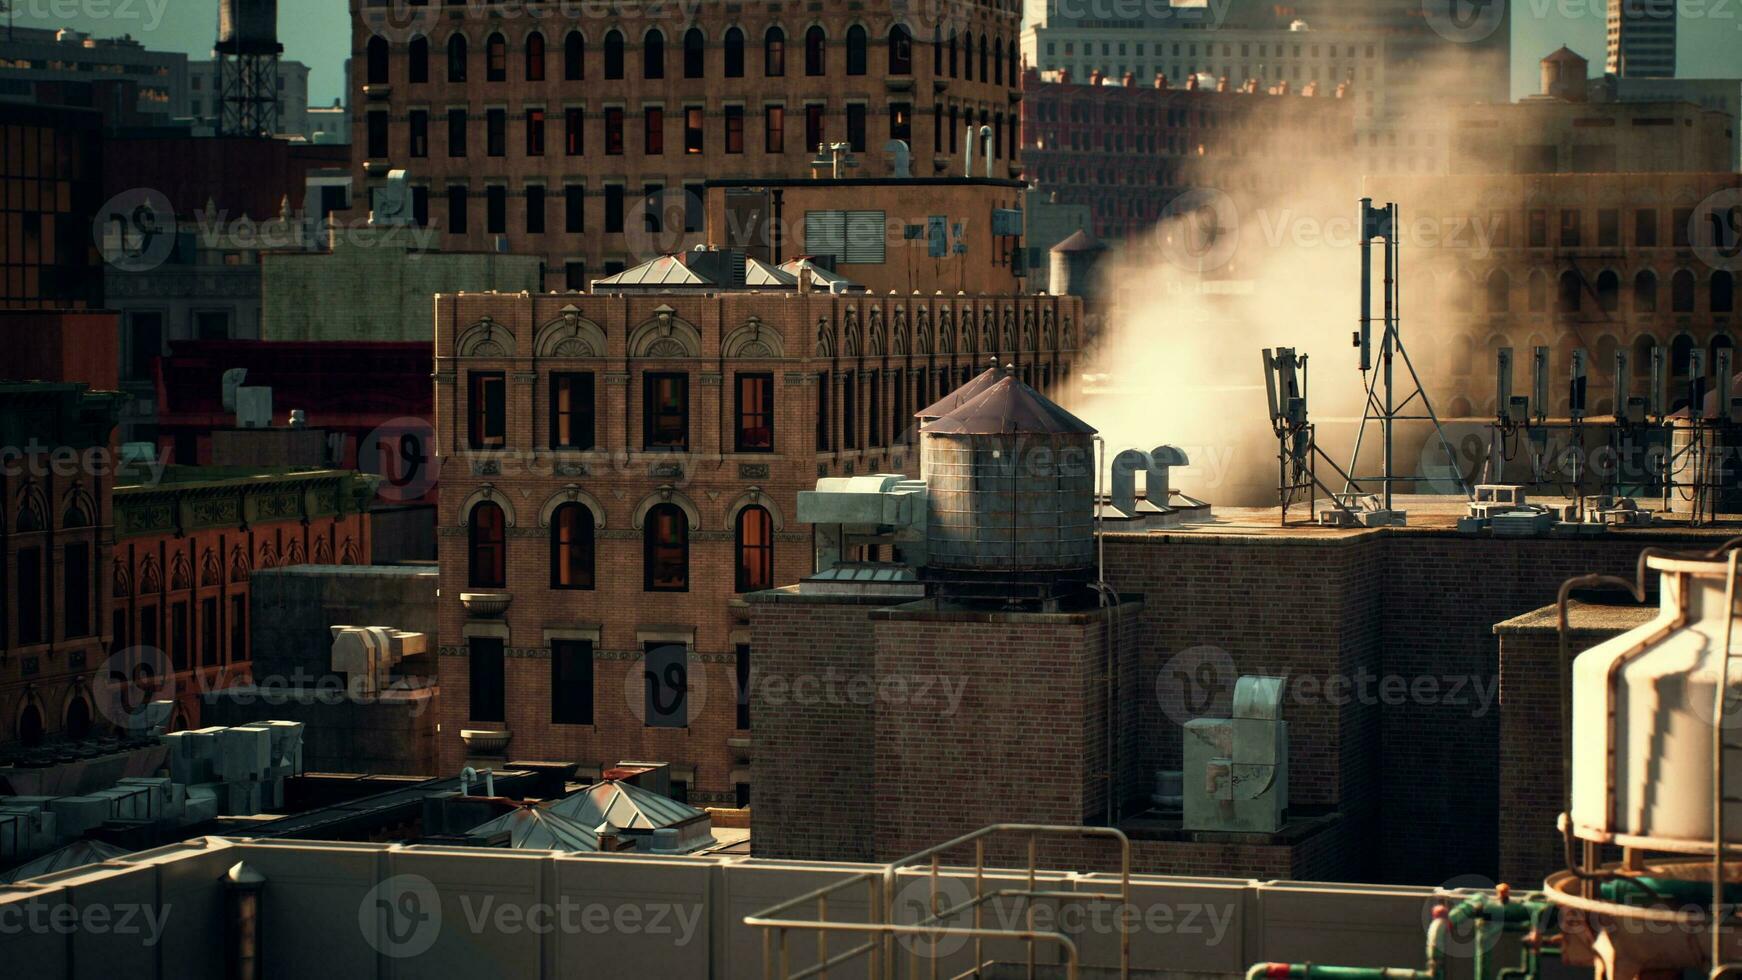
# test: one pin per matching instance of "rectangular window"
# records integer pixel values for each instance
(145, 333)
(666, 672)
(535, 132)
(666, 411)
(487, 692)
(774, 129)
(1679, 219)
(901, 122)
(614, 132)
(496, 132)
(574, 209)
(76, 573)
(856, 127)
(420, 206)
(574, 132)
(755, 413)
(30, 596)
(653, 204)
(823, 399)
(456, 132)
(743, 687)
(571, 682)
(575, 276)
(654, 144)
(1608, 227)
(571, 411)
(1572, 227)
(695, 207)
(178, 637)
(150, 628)
(1538, 228)
(496, 210)
(377, 122)
(874, 410)
(489, 409)
(815, 134)
(1645, 227)
(849, 414)
(535, 209)
(734, 129)
(457, 210)
(693, 123)
(419, 125)
(898, 403)
(210, 656)
(614, 209)
(238, 628)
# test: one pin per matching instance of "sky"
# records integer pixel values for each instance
(315, 32)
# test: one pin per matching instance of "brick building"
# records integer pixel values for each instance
(50, 189)
(1128, 150)
(550, 134)
(618, 469)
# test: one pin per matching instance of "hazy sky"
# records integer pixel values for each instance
(315, 32)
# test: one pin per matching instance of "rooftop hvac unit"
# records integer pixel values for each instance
(253, 408)
(1007, 222)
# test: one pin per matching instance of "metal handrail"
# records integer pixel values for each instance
(884, 929)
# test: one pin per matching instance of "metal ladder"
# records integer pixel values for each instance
(1721, 748)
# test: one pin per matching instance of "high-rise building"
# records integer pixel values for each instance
(1642, 38)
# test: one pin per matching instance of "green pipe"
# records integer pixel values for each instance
(1312, 971)
(1626, 891)
(1527, 915)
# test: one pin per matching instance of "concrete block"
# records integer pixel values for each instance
(77, 814)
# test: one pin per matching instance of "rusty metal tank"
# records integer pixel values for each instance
(248, 26)
(1010, 482)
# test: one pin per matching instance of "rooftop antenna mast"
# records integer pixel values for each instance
(1384, 406)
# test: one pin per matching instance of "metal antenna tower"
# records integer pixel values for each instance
(1383, 403)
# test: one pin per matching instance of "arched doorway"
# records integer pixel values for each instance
(30, 729)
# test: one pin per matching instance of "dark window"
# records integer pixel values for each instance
(774, 53)
(816, 52)
(1679, 221)
(378, 64)
(741, 794)
(496, 132)
(76, 579)
(419, 126)
(1608, 227)
(857, 41)
(574, 57)
(653, 55)
(574, 132)
(496, 210)
(665, 668)
(653, 208)
(571, 547)
(571, 682)
(874, 410)
(815, 134)
(535, 132)
(666, 409)
(178, 637)
(574, 209)
(489, 543)
(774, 129)
(1681, 292)
(150, 628)
(417, 60)
(496, 59)
(856, 127)
(755, 537)
(614, 132)
(238, 628)
(535, 209)
(667, 551)
(487, 692)
(489, 409)
(694, 54)
(146, 336)
(1538, 229)
(755, 413)
(654, 143)
(901, 122)
(734, 51)
(1608, 291)
(118, 627)
(1645, 293)
(30, 596)
(457, 58)
(1645, 227)
(614, 55)
(823, 400)
(1571, 287)
(900, 51)
(535, 57)
(456, 132)
(378, 135)
(614, 209)
(849, 414)
(575, 276)
(743, 678)
(457, 210)
(1572, 224)
(734, 129)
(692, 129)
(571, 410)
(694, 207)
(210, 656)
(1723, 292)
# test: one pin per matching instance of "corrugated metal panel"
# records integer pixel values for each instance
(625, 805)
(825, 233)
(867, 237)
(541, 829)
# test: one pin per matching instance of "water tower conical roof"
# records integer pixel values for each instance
(1009, 407)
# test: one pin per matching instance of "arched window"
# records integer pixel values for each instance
(489, 547)
(496, 59)
(1010, 55)
(967, 57)
(653, 54)
(377, 61)
(857, 58)
(755, 534)
(1681, 359)
(1645, 292)
(734, 50)
(667, 549)
(1723, 292)
(78, 719)
(937, 51)
(457, 58)
(1608, 291)
(535, 57)
(955, 54)
(1681, 292)
(900, 51)
(1537, 292)
(574, 57)
(695, 48)
(985, 61)
(774, 53)
(30, 729)
(1567, 300)
(998, 63)
(571, 547)
(614, 54)
(816, 52)
(1499, 291)
(417, 60)
(76, 579)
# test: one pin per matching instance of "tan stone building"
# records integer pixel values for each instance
(535, 129)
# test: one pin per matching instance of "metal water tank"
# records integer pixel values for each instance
(1010, 484)
(1644, 704)
(1076, 265)
(247, 25)
(969, 390)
